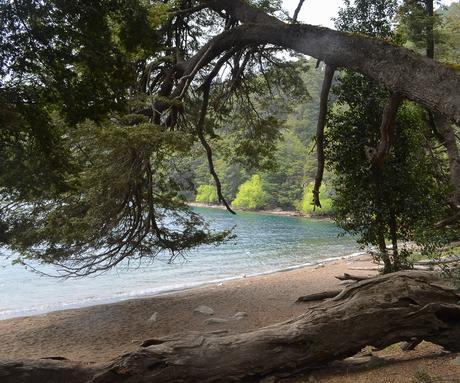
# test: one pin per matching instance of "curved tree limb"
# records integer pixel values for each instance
(394, 68)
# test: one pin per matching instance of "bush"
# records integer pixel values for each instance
(206, 194)
(251, 194)
(305, 205)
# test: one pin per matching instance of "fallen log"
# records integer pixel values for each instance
(318, 296)
(376, 312)
(350, 277)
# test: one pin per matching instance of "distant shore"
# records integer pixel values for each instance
(281, 212)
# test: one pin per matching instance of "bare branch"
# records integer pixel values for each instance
(200, 131)
(327, 82)
(297, 10)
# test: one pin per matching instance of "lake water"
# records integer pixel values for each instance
(265, 243)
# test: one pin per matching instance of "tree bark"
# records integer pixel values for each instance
(387, 129)
(377, 312)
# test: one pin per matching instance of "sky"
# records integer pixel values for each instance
(320, 12)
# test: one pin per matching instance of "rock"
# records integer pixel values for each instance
(240, 315)
(135, 341)
(204, 310)
(153, 318)
(215, 320)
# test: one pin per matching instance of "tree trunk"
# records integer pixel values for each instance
(449, 141)
(376, 312)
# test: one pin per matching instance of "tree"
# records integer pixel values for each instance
(146, 81)
(397, 196)
(206, 194)
(251, 194)
(306, 204)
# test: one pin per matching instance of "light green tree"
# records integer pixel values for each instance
(206, 194)
(306, 205)
(251, 194)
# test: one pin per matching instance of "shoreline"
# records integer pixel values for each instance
(280, 212)
(101, 332)
(169, 291)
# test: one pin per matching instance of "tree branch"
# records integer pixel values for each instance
(387, 129)
(297, 10)
(326, 87)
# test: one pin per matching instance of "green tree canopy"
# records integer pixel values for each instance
(251, 194)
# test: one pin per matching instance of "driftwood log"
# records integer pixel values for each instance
(350, 277)
(377, 312)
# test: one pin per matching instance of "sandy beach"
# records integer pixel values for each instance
(100, 333)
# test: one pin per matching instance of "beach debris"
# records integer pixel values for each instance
(206, 310)
(152, 342)
(318, 296)
(215, 320)
(240, 315)
(153, 318)
(54, 358)
(135, 341)
(350, 277)
(217, 332)
(319, 265)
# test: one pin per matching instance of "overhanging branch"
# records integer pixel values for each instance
(326, 87)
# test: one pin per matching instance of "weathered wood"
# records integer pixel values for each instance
(410, 345)
(350, 277)
(318, 296)
(376, 312)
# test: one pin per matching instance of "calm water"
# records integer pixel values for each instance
(265, 243)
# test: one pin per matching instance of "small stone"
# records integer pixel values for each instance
(153, 318)
(134, 341)
(204, 310)
(215, 321)
(319, 265)
(240, 315)
(456, 361)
